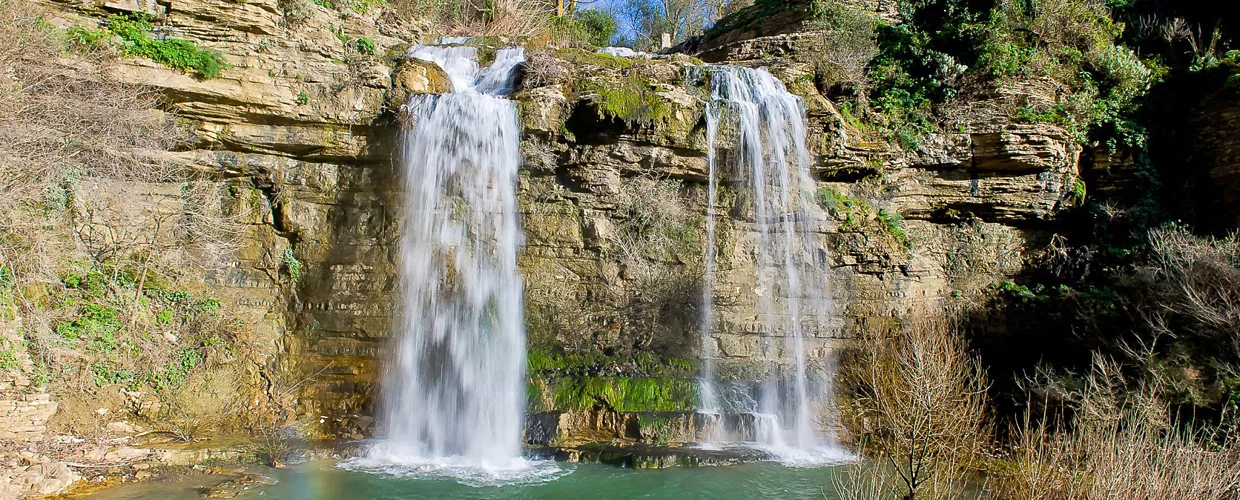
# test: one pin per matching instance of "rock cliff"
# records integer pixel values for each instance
(300, 133)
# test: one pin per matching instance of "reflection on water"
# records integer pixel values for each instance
(323, 480)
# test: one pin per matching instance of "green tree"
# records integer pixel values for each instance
(597, 26)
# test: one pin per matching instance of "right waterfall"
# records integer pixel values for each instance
(756, 136)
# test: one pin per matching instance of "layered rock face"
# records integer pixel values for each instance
(302, 129)
(1218, 142)
(298, 136)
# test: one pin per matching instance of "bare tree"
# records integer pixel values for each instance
(1198, 280)
(650, 19)
(1122, 444)
(923, 409)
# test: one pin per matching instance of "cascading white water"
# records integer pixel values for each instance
(772, 162)
(454, 393)
(707, 391)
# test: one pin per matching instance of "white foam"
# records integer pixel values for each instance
(453, 40)
(463, 470)
(621, 52)
(810, 458)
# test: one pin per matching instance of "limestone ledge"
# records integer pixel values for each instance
(303, 132)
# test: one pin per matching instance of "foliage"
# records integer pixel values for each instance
(648, 20)
(855, 214)
(125, 341)
(365, 46)
(847, 40)
(177, 53)
(622, 394)
(291, 265)
(7, 283)
(86, 39)
(930, 59)
(587, 27)
(8, 355)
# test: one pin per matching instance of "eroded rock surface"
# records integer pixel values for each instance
(300, 135)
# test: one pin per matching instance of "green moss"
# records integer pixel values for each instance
(855, 214)
(291, 265)
(1078, 192)
(624, 394)
(172, 52)
(584, 58)
(655, 427)
(630, 99)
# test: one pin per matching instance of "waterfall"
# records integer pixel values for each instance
(708, 392)
(772, 165)
(454, 392)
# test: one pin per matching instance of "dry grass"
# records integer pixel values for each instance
(921, 408)
(1122, 445)
(87, 189)
(275, 444)
(661, 259)
(543, 69)
(1198, 279)
(524, 18)
(62, 120)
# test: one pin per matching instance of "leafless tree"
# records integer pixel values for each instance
(923, 409)
(1122, 444)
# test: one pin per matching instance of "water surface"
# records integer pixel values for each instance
(321, 480)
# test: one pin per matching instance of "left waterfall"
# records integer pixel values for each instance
(454, 391)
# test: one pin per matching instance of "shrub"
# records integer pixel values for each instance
(87, 39)
(920, 405)
(173, 52)
(1197, 281)
(847, 39)
(297, 11)
(593, 27)
(274, 444)
(365, 46)
(1122, 444)
(8, 355)
(542, 69)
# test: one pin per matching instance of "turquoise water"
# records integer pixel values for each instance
(326, 481)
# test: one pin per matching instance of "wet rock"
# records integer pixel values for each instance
(236, 486)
